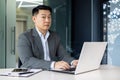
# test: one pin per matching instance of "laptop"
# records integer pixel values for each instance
(90, 58)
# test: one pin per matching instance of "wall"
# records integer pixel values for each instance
(25, 14)
(61, 22)
(86, 23)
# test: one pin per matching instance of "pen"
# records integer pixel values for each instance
(25, 73)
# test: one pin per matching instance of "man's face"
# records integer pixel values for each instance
(42, 20)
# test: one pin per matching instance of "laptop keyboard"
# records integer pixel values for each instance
(71, 69)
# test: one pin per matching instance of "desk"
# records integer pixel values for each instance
(106, 72)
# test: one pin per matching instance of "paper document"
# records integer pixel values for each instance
(16, 73)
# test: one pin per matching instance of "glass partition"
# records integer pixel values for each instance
(2, 33)
(111, 22)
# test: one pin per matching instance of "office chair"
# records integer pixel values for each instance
(19, 63)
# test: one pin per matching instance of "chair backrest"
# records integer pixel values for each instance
(19, 63)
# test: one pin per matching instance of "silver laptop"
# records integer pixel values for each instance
(90, 58)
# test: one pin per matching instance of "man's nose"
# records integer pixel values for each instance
(47, 19)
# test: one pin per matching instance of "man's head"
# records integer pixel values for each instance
(41, 16)
(35, 10)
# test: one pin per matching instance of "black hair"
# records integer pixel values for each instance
(40, 7)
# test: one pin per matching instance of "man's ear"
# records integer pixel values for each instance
(33, 18)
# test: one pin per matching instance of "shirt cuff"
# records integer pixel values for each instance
(71, 63)
(52, 65)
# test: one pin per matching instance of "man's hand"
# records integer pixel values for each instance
(61, 65)
(74, 63)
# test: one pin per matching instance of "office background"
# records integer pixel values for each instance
(75, 21)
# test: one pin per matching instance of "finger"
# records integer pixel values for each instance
(65, 68)
(62, 64)
(65, 65)
(75, 62)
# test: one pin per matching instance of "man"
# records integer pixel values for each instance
(41, 48)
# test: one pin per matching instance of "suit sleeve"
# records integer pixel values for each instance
(26, 56)
(61, 52)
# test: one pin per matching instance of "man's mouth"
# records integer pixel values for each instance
(46, 25)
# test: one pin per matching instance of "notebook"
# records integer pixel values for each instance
(90, 58)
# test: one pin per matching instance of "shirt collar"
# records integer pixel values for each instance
(41, 35)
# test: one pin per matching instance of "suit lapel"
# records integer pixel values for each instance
(51, 47)
(38, 42)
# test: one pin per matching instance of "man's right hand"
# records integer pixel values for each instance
(61, 65)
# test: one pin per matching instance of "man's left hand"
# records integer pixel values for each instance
(74, 63)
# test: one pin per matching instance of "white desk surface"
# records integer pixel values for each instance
(106, 72)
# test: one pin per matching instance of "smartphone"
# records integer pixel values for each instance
(19, 70)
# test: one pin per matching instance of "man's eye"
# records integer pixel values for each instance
(43, 17)
(49, 17)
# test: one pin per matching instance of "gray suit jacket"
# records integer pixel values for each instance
(31, 54)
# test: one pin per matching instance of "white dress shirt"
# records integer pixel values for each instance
(45, 46)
